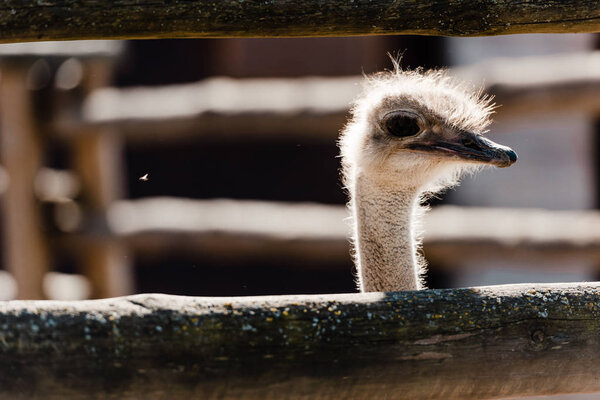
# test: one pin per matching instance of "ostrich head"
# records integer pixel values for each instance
(412, 133)
(420, 130)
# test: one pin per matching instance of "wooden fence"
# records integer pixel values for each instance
(95, 124)
(488, 342)
(454, 344)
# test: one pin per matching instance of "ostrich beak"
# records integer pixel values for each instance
(471, 147)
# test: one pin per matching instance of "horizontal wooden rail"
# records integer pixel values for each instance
(222, 108)
(477, 343)
(69, 19)
(97, 49)
(229, 231)
(317, 108)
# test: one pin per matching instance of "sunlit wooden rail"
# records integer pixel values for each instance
(231, 230)
(316, 108)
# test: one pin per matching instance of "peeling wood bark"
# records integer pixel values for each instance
(120, 19)
(476, 343)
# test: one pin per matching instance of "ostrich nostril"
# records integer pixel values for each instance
(470, 143)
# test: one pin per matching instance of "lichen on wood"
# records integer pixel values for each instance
(125, 19)
(454, 344)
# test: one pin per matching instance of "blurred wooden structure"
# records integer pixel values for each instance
(29, 72)
(262, 230)
(224, 108)
(25, 245)
(95, 120)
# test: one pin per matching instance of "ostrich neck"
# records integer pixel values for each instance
(386, 247)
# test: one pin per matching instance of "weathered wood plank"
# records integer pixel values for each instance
(474, 343)
(119, 19)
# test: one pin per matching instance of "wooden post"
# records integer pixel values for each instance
(97, 159)
(21, 152)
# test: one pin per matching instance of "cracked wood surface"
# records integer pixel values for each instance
(475, 343)
(126, 19)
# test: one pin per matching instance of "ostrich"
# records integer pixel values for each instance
(411, 135)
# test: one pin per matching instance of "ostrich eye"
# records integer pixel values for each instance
(401, 125)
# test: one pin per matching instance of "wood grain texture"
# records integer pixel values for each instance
(120, 19)
(475, 343)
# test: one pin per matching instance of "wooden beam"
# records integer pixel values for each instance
(144, 19)
(26, 68)
(476, 343)
(220, 109)
(96, 49)
(529, 86)
(230, 231)
(25, 242)
(477, 234)
(97, 158)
